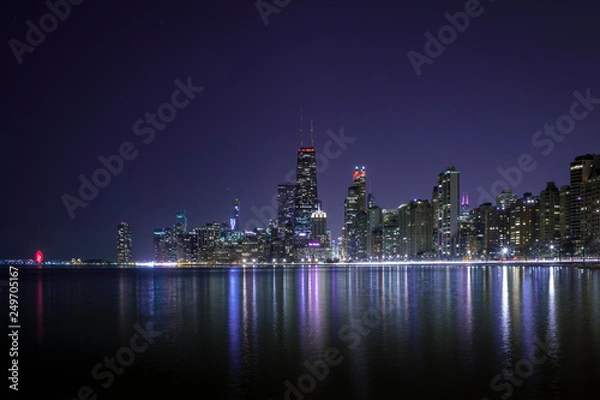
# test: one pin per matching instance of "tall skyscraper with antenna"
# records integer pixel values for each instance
(307, 199)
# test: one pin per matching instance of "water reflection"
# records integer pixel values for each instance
(247, 330)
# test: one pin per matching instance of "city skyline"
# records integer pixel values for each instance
(533, 225)
(359, 175)
(478, 106)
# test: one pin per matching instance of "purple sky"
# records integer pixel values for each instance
(477, 107)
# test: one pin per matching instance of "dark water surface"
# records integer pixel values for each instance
(398, 332)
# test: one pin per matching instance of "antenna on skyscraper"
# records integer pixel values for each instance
(301, 123)
(312, 143)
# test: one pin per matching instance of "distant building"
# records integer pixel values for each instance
(124, 243)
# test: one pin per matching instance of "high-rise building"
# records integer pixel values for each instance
(467, 238)
(550, 212)
(234, 221)
(590, 213)
(480, 229)
(286, 198)
(306, 199)
(390, 233)
(497, 230)
(163, 245)
(179, 231)
(435, 215)
(180, 222)
(351, 211)
(355, 216)
(374, 233)
(581, 169)
(319, 232)
(359, 179)
(448, 195)
(209, 240)
(420, 229)
(524, 225)
(403, 232)
(124, 243)
(565, 217)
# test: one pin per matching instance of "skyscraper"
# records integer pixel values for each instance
(390, 240)
(351, 210)
(580, 171)
(420, 228)
(550, 218)
(179, 231)
(124, 243)
(234, 221)
(565, 217)
(374, 229)
(524, 225)
(306, 199)
(355, 216)
(163, 245)
(590, 213)
(180, 223)
(286, 199)
(448, 205)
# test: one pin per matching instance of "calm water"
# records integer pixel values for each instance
(388, 332)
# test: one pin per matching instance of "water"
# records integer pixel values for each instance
(388, 332)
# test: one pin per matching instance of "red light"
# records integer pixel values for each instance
(307, 149)
(39, 256)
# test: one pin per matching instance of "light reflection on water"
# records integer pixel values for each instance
(245, 331)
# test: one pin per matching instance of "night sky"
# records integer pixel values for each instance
(77, 95)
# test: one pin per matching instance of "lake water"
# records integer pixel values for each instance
(348, 332)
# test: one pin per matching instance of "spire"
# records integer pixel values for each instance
(301, 126)
(312, 142)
